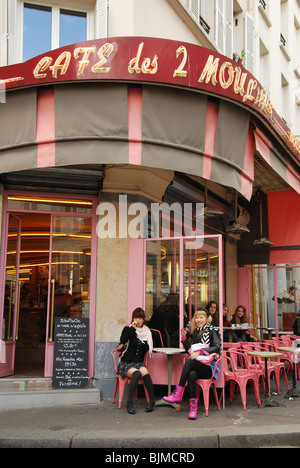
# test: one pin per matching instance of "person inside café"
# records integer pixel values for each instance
(227, 319)
(296, 325)
(204, 342)
(158, 321)
(138, 340)
(213, 308)
(241, 318)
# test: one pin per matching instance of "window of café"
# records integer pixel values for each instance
(182, 275)
(273, 296)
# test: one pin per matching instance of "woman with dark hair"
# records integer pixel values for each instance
(138, 339)
(213, 308)
(241, 318)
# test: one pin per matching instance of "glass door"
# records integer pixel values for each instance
(11, 300)
(163, 289)
(182, 275)
(69, 273)
(46, 273)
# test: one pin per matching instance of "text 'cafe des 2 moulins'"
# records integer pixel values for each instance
(136, 120)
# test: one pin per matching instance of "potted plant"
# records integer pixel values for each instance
(239, 58)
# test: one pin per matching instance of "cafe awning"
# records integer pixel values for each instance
(284, 226)
(119, 123)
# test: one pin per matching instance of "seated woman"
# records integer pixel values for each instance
(241, 317)
(213, 308)
(296, 324)
(203, 333)
(138, 339)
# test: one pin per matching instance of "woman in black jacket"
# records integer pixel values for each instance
(138, 339)
(205, 335)
(296, 325)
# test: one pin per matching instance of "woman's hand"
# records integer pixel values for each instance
(183, 332)
(195, 354)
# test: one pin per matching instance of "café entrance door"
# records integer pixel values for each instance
(47, 269)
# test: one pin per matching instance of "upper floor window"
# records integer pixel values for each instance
(37, 22)
(47, 27)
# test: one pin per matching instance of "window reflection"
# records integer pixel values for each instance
(36, 30)
(72, 26)
(68, 27)
(163, 289)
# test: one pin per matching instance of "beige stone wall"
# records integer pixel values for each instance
(112, 285)
(139, 184)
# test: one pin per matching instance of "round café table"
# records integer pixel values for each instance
(293, 393)
(169, 352)
(266, 355)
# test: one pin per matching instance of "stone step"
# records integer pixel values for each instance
(38, 392)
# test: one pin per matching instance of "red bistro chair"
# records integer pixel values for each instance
(205, 385)
(120, 383)
(159, 335)
(274, 366)
(240, 376)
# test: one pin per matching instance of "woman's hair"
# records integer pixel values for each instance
(196, 314)
(138, 312)
(216, 315)
(244, 319)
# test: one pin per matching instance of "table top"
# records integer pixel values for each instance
(169, 350)
(264, 354)
(289, 349)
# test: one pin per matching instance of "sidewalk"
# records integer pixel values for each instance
(104, 425)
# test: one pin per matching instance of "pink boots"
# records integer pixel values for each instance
(176, 396)
(193, 408)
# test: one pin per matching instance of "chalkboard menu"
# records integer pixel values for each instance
(71, 345)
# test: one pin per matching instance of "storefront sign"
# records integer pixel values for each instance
(160, 61)
(71, 343)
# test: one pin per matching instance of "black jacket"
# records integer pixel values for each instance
(137, 349)
(296, 326)
(214, 341)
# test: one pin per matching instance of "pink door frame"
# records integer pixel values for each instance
(49, 352)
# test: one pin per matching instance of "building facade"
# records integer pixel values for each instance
(113, 110)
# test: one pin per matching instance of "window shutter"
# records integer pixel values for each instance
(102, 19)
(194, 9)
(12, 31)
(249, 43)
(3, 34)
(224, 27)
(220, 22)
(229, 28)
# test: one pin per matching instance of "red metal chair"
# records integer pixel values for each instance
(275, 367)
(252, 364)
(205, 385)
(227, 345)
(240, 376)
(120, 383)
(159, 335)
(287, 357)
